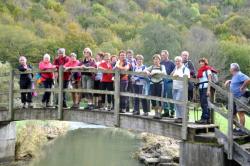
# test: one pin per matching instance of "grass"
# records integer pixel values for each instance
(219, 120)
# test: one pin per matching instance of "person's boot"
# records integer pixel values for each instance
(157, 114)
(202, 121)
(24, 105)
(166, 113)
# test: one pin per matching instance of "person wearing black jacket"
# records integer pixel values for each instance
(25, 82)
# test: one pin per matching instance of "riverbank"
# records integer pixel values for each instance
(34, 136)
(158, 150)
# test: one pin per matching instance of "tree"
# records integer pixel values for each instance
(201, 42)
(157, 36)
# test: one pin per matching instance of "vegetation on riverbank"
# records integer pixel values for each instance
(33, 135)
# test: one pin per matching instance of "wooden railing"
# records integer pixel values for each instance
(59, 90)
(229, 116)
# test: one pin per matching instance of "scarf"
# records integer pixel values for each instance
(202, 69)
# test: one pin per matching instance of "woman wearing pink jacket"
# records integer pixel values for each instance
(47, 78)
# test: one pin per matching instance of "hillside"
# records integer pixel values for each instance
(217, 29)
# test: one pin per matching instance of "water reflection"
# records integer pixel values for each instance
(91, 147)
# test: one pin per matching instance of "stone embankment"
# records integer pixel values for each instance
(158, 151)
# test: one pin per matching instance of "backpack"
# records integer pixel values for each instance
(214, 76)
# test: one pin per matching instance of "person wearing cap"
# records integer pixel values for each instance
(75, 78)
(178, 88)
(25, 81)
(188, 63)
(238, 87)
(87, 78)
(168, 84)
(156, 83)
(61, 60)
(123, 65)
(47, 78)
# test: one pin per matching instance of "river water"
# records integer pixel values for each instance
(90, 146)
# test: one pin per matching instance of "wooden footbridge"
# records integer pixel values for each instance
(236, 148)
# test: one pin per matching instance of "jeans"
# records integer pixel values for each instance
(87, 83)
(138, 89)
(26, 97)
(123, 99)
(65, 86)
(156, 90)
(178, 95)
(110, 87)
(46, 96)
(204, 104)
(131, 90)
(168, 88)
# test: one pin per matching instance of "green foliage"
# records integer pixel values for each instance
(35, 27)
(157, 36)
(236, 53)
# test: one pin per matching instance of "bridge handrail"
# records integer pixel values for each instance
(229, 116)
(116, 92)
(92, 70)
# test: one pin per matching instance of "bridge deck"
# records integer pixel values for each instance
(165, 126)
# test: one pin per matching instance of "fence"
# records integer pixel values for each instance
(60, 90)
(229, 116)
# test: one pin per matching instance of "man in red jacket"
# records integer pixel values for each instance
(60, 60)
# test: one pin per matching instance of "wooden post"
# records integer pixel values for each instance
(230, 126)
(60, 93)
(11, 95)
(185, 113)
(117, 98)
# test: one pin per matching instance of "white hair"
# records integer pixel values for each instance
(22, 57)
(185, 52)
(61, 51)
(178, 58)
(46, 56)
(235, 66)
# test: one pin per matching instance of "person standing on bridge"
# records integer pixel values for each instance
(25, 81)
(75, 78)
(204, 75)
(188, 63)
(156, 83)
(132, 63)
(47, 78)
(168, 84)
(139, 84)
(180, 71)
(238, 86)
(122, 64)
(88, 62)
(61, 60)
(106, 81)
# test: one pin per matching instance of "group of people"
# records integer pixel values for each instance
(154, 84)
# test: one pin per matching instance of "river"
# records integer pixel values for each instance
(91, 146)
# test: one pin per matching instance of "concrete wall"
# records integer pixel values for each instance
(7, 142)
(200, 154)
